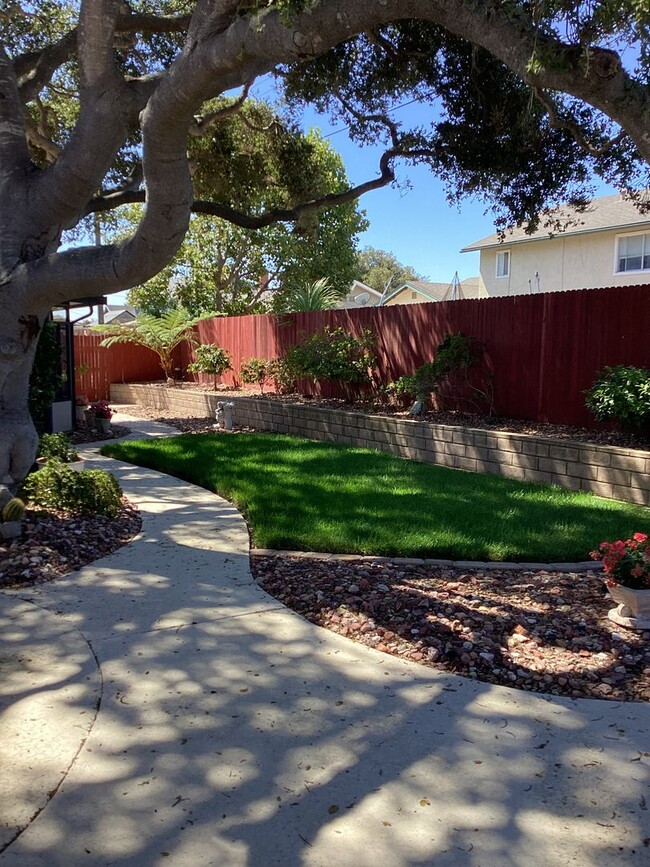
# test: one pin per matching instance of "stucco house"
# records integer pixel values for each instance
(360, 295)
(423, 292)
(608, 244)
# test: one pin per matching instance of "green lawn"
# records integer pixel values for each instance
(311, 496)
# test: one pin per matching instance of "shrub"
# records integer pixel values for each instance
(333, 354)
(211, 359)
(257, 370)
(283, 375)
(457, 354)
(57, 445)
(621, 393)
(81, 493)
(404, 387)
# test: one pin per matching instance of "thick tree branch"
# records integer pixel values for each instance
(35, 69)
(113, 200)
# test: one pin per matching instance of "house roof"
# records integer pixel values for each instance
(357, 284)
(468, 288)
(601, 215)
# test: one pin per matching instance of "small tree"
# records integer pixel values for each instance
(212, 359)
(160, 334)
(258, 370)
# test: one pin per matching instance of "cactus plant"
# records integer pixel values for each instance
(13, 510)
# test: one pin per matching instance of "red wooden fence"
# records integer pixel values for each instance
(544, 350)
(96, 367)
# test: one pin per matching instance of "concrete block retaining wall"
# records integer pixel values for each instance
(616, 473)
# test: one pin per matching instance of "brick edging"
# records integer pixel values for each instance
(586, 566)
(607, 471)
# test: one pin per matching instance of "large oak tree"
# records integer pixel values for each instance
(98, 98)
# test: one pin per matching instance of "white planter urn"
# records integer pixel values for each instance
(633, 608)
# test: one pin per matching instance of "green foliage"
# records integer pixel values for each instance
(309, 297)
(381, 270)
(258, 370)
(160, 334)
(13, 510)
(211, 359)
(333, 354)
(621, 393)
(44, 380)
(88, 492)
(57, 445)
(283, 375)
(255, 160)
(404, 387)
(456, 352)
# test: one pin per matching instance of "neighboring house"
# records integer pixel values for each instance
(422, 292)
(114, 314)
(360, 295)
(608, 244)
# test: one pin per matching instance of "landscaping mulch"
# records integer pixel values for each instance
(54, 543)
(83, 434)
(534, 630)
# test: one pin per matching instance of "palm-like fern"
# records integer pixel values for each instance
(160, 334)
(319, 295)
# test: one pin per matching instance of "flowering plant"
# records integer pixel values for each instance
(626, 562)
(101, 409)
(81, 400)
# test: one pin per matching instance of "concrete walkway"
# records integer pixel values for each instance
(158, 708)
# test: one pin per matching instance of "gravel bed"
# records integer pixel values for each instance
(533, 630)
(84, 434)
(54, 543)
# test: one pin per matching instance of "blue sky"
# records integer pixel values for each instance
(416, 224)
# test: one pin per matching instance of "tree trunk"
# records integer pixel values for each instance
(18, 437)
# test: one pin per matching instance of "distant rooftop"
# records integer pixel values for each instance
(600, 215)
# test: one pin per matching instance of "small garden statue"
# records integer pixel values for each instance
(223, 415)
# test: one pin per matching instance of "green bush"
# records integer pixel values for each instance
(257, 371)
(333, 354)
(455, 355)
(283, 375)
(45, 378)
(57, 445)
(211, 359)
(621, 393)
(88, 492)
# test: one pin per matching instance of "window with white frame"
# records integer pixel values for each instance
(503, 263)
(633, 253)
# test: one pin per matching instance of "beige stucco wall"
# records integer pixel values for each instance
(408, 296)
(572, 262)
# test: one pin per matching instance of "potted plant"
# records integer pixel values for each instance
(57, 446)
(102, 414)
(11, 519)
(81, 404)
(627, 576)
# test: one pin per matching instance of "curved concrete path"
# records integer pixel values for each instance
(160, 709)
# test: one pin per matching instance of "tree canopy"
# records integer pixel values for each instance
(254, 160)
(381, 270)
(99, 100)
